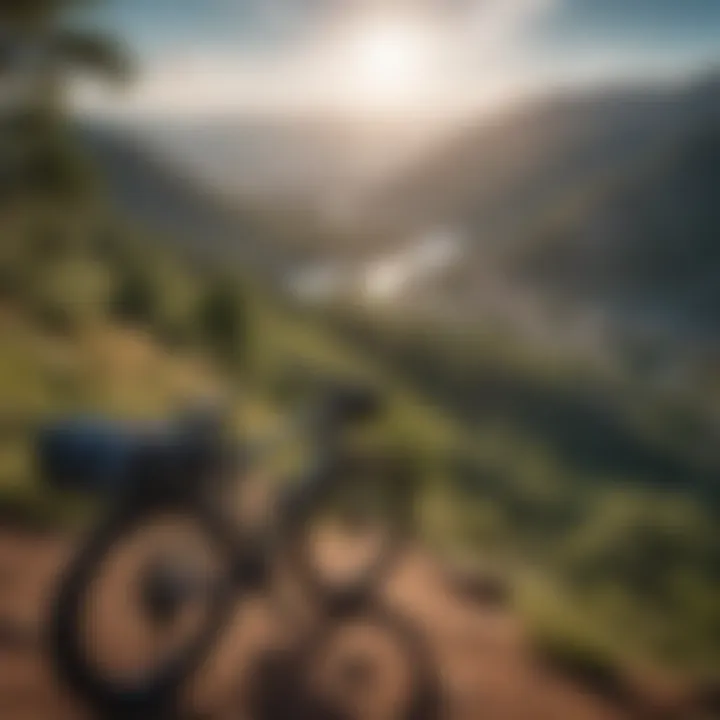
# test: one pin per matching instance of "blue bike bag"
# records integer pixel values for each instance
(88, 455)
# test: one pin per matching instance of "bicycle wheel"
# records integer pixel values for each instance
(135, 613)
(351, 538)
(372, 664)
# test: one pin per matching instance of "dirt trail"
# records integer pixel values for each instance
(487, 670)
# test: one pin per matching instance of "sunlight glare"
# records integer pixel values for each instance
(390, 60)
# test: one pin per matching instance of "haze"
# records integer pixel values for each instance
(392, 58)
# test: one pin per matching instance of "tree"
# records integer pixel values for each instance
(38, 55)
(135, 298)
(221, 320)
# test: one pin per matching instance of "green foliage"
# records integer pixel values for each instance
(221, 320)
(23, 11)
(135, 296)
(55, 169)
(583, 660)
(70, 295)
(564, 637)
(95, 53)
(648, 564)
(601, 479)
(36, 153)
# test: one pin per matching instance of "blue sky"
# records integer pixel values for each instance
(256, 49)
(679, 24)
(652, 28)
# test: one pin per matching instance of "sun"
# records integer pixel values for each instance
(389, 60)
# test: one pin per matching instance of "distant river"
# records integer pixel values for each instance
(385, 278)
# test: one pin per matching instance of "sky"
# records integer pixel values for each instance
(393, 56)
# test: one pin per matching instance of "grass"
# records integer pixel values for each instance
(569, 642)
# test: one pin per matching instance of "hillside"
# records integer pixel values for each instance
(580, 218)
(602, 483)
(100, 314)
(535, 296)
(531, 454)
(509, 162)
(600, 205)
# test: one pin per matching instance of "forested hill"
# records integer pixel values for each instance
(151, 190)
(604, 201)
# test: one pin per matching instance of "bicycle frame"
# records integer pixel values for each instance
(249, 562)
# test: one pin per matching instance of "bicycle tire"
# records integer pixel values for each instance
(151, 694)
(425, 697)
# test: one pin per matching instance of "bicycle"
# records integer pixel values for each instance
(182, 471)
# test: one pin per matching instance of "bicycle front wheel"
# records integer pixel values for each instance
(373, 664)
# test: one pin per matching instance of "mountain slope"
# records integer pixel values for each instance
(607, 200)
(543, 459)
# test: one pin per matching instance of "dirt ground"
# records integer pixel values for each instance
(487, 671)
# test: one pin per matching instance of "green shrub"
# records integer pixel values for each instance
(221, 321)
(564, 639)
(65, 296)
(583, 661)
(135, 297)
(36, 509)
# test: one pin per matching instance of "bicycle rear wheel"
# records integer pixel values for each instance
(135, 613)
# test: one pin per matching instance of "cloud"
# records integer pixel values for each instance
(501, 27)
